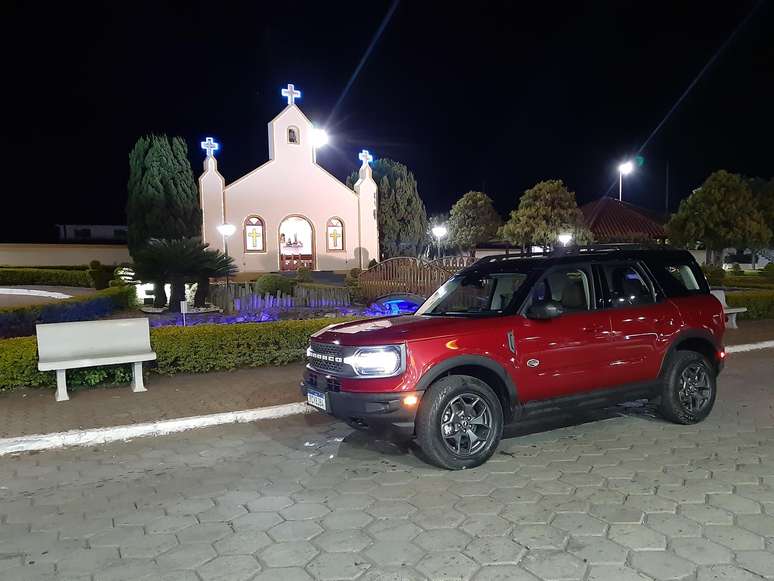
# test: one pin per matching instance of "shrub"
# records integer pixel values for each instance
(100, 275)
(759, 303)
(749, 281)
(197, 349)
(304, 274)
(768, 271)
(737, 270)
(353, 284)
(714, 274)
(271, 283)
(21, 321)
(372, 263)
(44, 276)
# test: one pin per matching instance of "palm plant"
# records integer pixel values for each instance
(179, 261)
(214, 265)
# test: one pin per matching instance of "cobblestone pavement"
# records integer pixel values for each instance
(624, 498)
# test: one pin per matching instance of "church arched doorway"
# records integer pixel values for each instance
(296, 243)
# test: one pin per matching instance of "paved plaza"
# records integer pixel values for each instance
(623, 498)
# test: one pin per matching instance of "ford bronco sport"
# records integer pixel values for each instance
(512, 336)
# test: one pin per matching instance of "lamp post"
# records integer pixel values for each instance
(564, 238)
(226, 230)
(624, 169)
(439, 232)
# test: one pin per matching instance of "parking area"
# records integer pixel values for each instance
(628, 496)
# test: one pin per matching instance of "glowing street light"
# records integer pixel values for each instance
(624, 169)
(439, 232)
(319, 137)
(564, 238)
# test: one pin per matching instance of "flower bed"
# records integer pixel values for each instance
(21, 321)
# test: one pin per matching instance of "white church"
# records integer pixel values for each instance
(290, 212)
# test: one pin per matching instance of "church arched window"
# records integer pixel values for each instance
(294, 135)
(334, 235)
(255, 238)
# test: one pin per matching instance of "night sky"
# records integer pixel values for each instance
(474, 95)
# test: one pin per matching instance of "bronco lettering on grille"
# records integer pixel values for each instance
(322, 357)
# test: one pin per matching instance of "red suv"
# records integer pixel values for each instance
(514, 336)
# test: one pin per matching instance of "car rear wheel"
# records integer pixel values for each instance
(689, 388)
(459, 422)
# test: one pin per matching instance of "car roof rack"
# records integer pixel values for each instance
(576, 250)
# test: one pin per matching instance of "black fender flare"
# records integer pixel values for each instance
(440, 369)
(681, 338)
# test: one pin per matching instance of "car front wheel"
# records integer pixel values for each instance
(459, 422)
(689, 389)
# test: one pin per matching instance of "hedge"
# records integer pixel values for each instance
(44, 276)
(196, 349)
(21, 321)
(759, 303)
(749, 281)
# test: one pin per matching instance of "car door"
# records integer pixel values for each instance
(639, 318)
(568, 354)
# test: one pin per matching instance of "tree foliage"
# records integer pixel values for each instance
(545, 211)
(178, 261)
(722, 213)
(163, 200)
(402, 216)
(473, 220)
(763, 191)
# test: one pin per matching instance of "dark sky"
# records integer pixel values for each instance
(493, 95)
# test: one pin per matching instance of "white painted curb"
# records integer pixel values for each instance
(121, 433)
(750, 347)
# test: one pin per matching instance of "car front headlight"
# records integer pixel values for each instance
(384, 361)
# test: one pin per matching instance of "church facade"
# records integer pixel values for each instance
(290, 212)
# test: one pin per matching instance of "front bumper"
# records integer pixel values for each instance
(378, 411)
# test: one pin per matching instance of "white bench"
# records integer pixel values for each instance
(63, 346)
(730, 313)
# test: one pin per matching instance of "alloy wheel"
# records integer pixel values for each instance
(695, 388)
(466, 424)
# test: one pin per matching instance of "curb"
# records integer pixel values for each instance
(94, 436)
(750, 347)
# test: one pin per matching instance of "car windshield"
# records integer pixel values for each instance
(474, 294)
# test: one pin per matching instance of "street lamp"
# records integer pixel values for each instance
(564, 238)
(439, 232)
(624, 169)
(319, 137)
(226, 230)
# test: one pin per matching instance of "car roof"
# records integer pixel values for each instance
(502, 263)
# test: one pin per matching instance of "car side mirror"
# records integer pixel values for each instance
(544, 310)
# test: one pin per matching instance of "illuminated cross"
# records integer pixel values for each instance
(291, 94)
(335, 235)
(254, 237)
(210, 146)
(365, 156)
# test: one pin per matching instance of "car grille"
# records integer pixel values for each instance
(327, 357)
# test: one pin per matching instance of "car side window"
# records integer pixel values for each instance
(627, 286)
(569, 288)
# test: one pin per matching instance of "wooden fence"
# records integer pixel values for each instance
(243, 298)
(402, 275)
(454, 263)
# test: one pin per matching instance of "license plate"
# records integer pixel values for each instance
(316, 399)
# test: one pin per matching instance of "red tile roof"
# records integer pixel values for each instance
(613, 221)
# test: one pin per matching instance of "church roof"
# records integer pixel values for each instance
(613, 220)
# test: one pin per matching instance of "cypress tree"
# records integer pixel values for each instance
(401, 213)
(163, 199)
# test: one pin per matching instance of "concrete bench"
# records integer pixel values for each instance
(63, 346)
(730, 313)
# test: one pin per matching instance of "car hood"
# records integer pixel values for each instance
(389, 330)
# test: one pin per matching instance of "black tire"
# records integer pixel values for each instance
(456, 392)
(681, 402)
